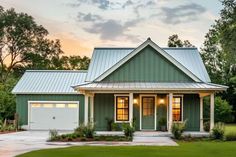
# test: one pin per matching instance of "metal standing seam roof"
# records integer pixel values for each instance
(150, 86)
(104, 58)
(49, 82)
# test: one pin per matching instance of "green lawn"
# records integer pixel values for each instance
(186, 149)
(230, 128)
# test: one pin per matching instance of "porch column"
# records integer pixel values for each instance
(92, 108)
(170, 112)
(86, 109)
(212, 111)
(201, 113)
(131, 104)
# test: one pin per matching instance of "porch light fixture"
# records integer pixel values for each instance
(162, 101)
(135, 101)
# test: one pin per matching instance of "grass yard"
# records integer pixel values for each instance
(230, 128)
(186, 149)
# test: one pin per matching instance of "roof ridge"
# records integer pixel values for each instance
(81, 71)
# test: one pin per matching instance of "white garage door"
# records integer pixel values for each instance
(53, 115)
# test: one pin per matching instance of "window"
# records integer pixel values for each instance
(177, 108)
(35, 105)
(60, 105)
(48, 105)
(72, 105)
(148, 106)
(122, 108)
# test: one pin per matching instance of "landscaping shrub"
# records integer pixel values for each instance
(231, 136)
(87, 131)
(218, 131)
(115, 126)
(128, 130)
(177, 129)
(53, 135)
(206, 126)
(162, 123)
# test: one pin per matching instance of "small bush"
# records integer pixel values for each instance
(218, 131)
(231, 136)
(87, 131)
(53, 135)
(178, 129)
(115, 126)
(206, 126)
(162, 123)
(128, 130)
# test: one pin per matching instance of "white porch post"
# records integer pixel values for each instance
(170, 112)
(92, 109)
(86, 109)
(131, 104)
(212, 111)
(201, 113)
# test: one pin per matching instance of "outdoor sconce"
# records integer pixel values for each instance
(135, 101)
(162, 101)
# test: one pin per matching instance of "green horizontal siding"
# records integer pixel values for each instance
(148, 66)
(191, 111)
(22, 104)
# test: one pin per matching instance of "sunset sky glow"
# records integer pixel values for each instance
(82, 25)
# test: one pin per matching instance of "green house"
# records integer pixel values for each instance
(147, 86)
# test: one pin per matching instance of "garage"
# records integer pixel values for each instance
(47, 115)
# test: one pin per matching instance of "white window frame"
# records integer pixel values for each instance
(120, 95)
(182, 108)
(50, 102)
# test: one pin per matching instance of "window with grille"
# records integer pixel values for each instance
(177, 108)
(122, 108)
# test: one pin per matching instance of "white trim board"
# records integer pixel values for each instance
(155, 110)
(137, 50)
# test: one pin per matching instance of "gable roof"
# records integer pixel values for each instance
(49, 82)
(106, 60)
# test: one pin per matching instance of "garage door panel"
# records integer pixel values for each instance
(57, 117)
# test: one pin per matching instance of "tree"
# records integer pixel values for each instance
(219, 46)
(219, 51)
(174, 41)
(7, 100)
(23, 41)
(223, 111)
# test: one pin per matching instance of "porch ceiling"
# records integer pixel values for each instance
(149, 86)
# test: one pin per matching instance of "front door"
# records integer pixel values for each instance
(148, 111)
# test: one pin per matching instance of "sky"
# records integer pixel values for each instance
(82, 25)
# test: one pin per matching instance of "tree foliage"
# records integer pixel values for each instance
(174, 41)
(7, 100)
(219, 51)
(24, 45)
(223, 111)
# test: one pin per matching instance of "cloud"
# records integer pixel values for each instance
(113, 30)
(127, 3)
(181, 13)
(88, 17)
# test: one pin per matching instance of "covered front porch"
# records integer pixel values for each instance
(147, 105)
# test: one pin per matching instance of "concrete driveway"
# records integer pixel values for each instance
(13, 144)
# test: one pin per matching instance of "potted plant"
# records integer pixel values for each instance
(162, 123)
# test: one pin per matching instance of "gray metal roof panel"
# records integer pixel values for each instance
(150, 86)
(105, 58)
(49, 81)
